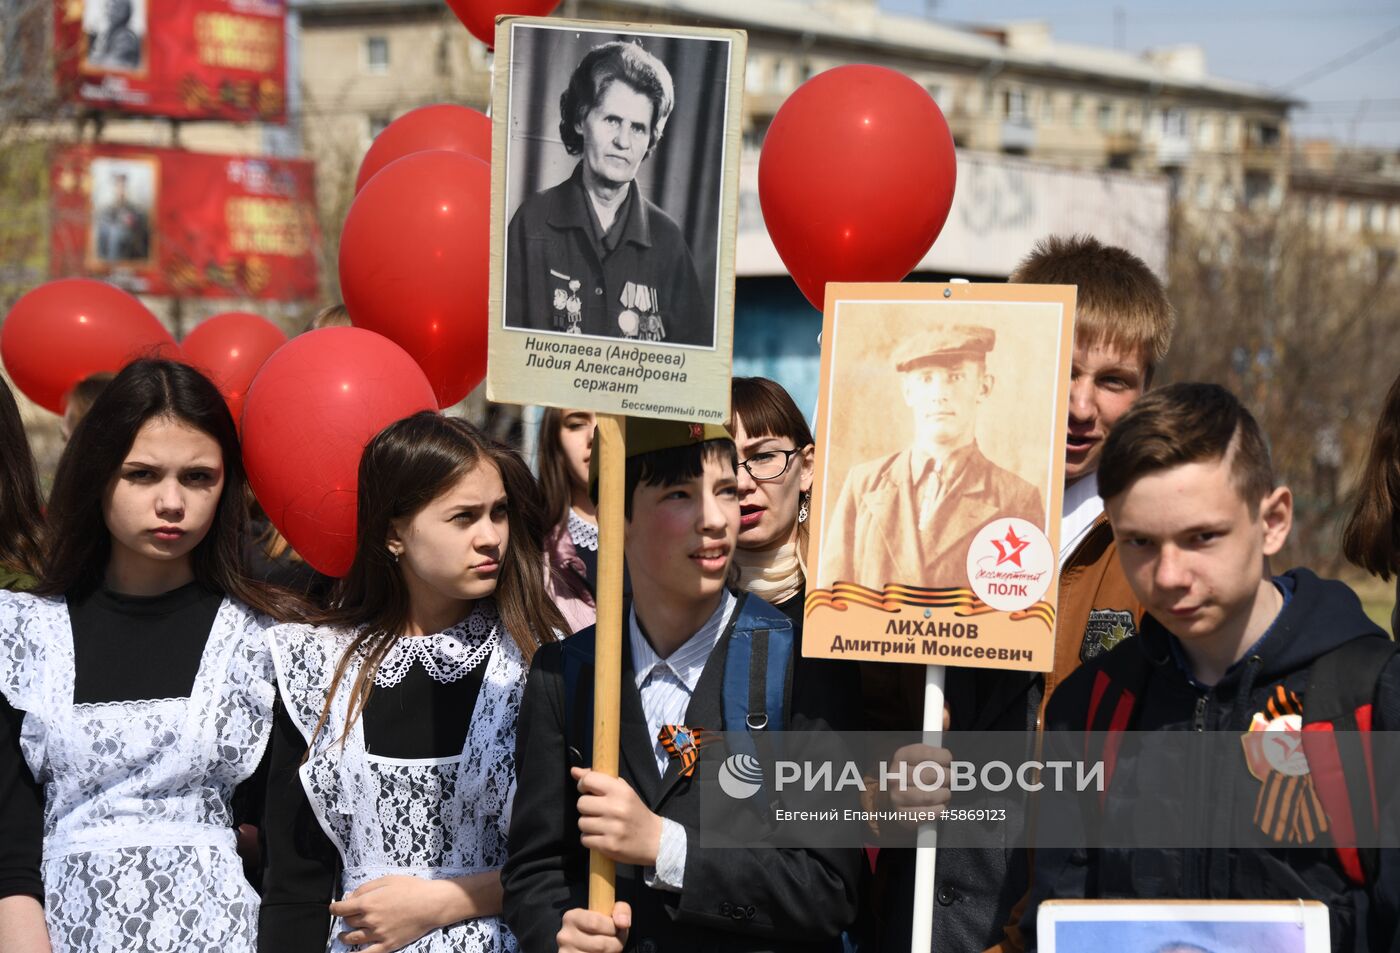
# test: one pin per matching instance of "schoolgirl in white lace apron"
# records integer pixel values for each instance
(139, 678)
(392, 770)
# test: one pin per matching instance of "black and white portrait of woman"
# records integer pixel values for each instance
(614, 184)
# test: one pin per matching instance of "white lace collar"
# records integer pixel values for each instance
(583, 533)
(446, 656)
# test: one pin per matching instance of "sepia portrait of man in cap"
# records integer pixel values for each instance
(910, 517)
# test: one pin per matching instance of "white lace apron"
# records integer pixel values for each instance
(138, 836)
(423, 817)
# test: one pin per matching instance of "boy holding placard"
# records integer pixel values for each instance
(1123, 330)
(1226, 649)
(682, 628)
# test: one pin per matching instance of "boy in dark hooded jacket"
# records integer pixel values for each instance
(1224, 647)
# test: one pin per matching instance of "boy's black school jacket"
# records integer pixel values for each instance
(1320, 615)
(743, 898)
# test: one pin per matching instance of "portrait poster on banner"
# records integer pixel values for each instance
(939, 474)
(185, 59)
(1184, 926)
(193, 225)
(614, 210)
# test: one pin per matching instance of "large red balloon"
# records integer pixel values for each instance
(454, 128)
(414, 264)
(65, 330)
(310, 411)
(479, 16)
(856, 177)
(229, 348)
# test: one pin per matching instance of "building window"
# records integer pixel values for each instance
(377, 54)
(1076, 111)
(1106, 118)
(753, 136)
(1232, 132)
(1377, 222)
(1395, 219)
(443, 59)
(1123, 161)
(1014, 101)
(1258, 186)
(785, 76)
(1206, 129)
(754, 76)
(1174, 123)
(376, 124)
(1266, 134)
(1354, 216)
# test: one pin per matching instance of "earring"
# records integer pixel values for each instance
(394, 556)
(802, 507)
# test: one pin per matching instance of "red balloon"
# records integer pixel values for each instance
(856, 177)
(414, 264)
(454, 128)
(65, 330)
(310, 411)
(479, 16)
(229, 348)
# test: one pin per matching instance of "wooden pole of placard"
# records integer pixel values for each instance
(926, 850)
(611, 448)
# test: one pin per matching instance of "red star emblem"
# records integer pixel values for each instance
(1009, 550)
(696, 431)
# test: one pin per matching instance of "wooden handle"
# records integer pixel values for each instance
(611, 448)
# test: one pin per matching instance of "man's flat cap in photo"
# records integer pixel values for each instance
(941, 345)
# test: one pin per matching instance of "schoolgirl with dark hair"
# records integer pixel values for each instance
(1371, 539)
(571, 549)
(137, 680)
(20, 512)
(392, 770)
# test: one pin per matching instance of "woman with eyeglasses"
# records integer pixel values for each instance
(776, 457)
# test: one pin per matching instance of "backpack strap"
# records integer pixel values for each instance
(754, 691)
(1118, 684)
(1337, 715)
(757, 669)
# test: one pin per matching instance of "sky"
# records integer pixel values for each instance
(1314, 50)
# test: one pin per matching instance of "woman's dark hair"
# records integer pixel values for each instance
(600, 68)
(1371, 539)
(21, 514)
(406, 466)
(767, 410)
(79, 543)
(556, 478)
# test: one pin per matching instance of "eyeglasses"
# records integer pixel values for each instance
(770, 464)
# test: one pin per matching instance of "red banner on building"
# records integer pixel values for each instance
(186, 59)
(169, 222)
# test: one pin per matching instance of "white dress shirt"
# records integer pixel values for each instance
(666, 686)
(1082, 507)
